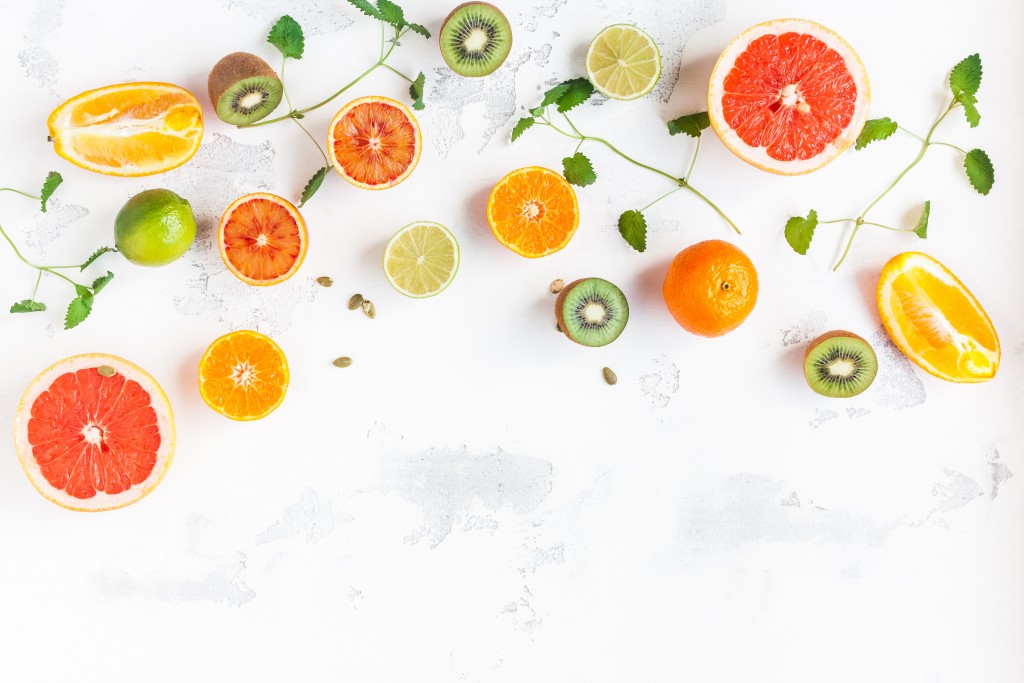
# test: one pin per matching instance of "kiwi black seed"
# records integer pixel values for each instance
(840, 364)
(475, 39)
(592, 311)
(244, 89)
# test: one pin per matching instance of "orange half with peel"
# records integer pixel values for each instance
(533, 211)
(935, 320)
(243, 375)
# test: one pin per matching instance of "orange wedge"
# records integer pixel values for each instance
(935, 320)
(129, 129)
(243, 375)
(533, 211)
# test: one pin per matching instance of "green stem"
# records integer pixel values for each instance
(693, 161)
(838, 220)
(946, 144)
(674, 179)
(23, 194)
(399, 73)
(35, 290)
(320, 149)
(714, 206)
(910, 133)
(48, 269)
(670, 192)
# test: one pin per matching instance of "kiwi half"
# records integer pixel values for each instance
(592, 311)
(244, 89)
(475, 39)
(840, 364)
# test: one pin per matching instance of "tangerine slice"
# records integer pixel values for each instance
(129, 129)
(374, 142)
(935, 320)
(94, 432)
(243, 375)
(263, 239)
(533, 211)
(788, 96)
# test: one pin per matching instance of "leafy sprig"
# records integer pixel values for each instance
(81, 305)
(578, 169)
(964, 82)
(287, 36)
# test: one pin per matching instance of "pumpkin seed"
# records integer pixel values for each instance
(342, 362)
(355, 302)
(609, 376)
(369, 309)
(557, 285)
(106, 371)
(324, 281)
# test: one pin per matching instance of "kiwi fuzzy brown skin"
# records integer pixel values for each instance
(817, 341)
(233, 68)
(451, 14)
(559, 318)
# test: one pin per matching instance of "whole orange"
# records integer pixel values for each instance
(710, 288)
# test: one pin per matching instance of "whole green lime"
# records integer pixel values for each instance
(154, 228)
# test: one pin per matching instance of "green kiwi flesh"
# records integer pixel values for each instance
(840, 364)
(244, 89)
(475, 39)
(592, 311)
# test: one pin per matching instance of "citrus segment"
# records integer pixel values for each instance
(788, 96)
(243, 375)
(263, 239)
(533, 211)
(129, 129)
(623, 62)
(94, 432)
(421, 259)
(935, 320)
(374, 142)
(710, 288)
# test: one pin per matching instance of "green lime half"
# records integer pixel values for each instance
(623, 62)
(154, 228)
(421, 259)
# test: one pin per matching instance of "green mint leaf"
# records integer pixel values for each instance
(313, 185)
(366, 8)
(537, 111)
(416, 92)
(391, 13)
(417, 28)
(53, 179)
(966, 76)
(799, 231)
(78, 310)
(82, 291)
(101, 282)
(979, 170)
(28, 306)
(95, 255)
(691, 124)
(921, 229)
(968, 102)
(551, 96)
(578, 170)
(286, 36)
(633, 228)
(875, 130)
(578, 92)
(522, 126)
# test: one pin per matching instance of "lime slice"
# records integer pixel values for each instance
(623, 62)
(421, 259)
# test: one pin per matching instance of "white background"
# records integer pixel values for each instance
(469, 501)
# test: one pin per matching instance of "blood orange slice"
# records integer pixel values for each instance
(94, 432)
(263, 239)
(374, 142)
(788, 96)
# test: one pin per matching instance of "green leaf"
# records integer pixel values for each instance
(391, 13)
(551, 96)
(78, 310)
(522, 126)
(633, 228)
(416, 92)
(537, 111)
(101, 282)
(95, 255)
(313, 185)
(286, 36)
(875, 130)
(417, 28)
(366, 8)
(579, 91)
(691, 124)
(979, 170)
(799, 231)
(28, 306)
(968, 102)
(966, 76)
(921, 229)
(53, 179)
(578, 170)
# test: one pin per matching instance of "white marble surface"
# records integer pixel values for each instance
(469, 501)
